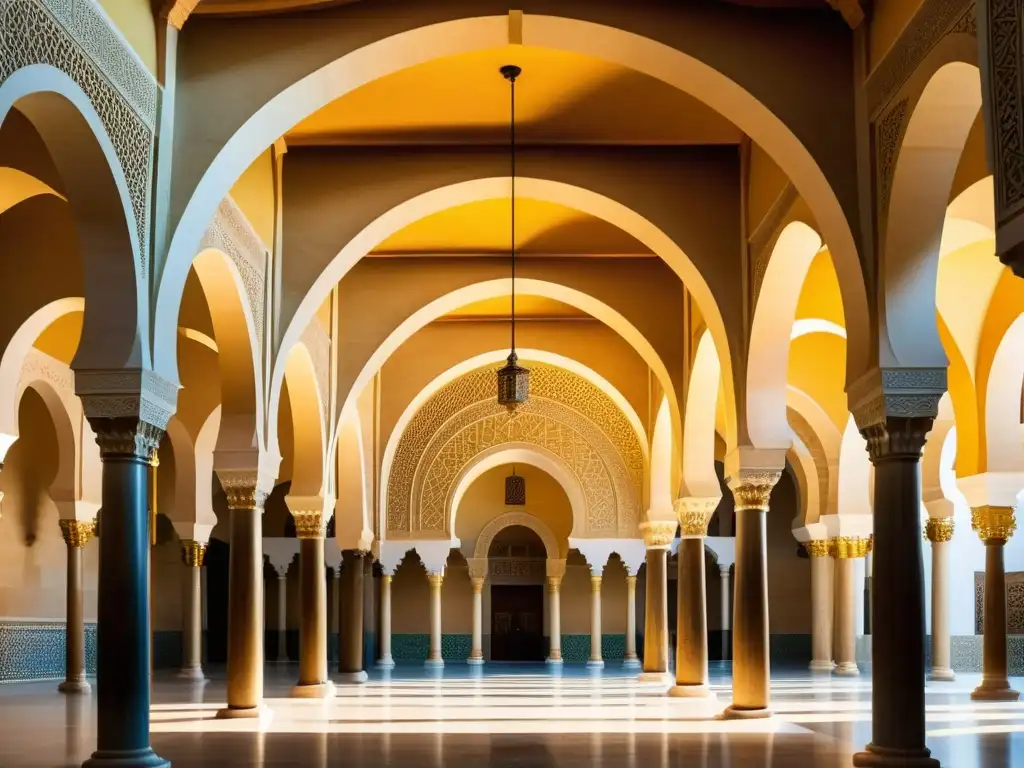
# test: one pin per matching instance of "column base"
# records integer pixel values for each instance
(631, 663)
(75, 685)
(821, 666)
(314, 690)
(261, 712)
(352, 678)
(595, 664)
(691, 692)
(746, 713)
(942, 674)
(475, 661)
(656, 677)
(847, 669)
(894, 758)
(554, 660)
(191, 674)
(434, 663)
(130, 758)
(996, 690)
(387, 662)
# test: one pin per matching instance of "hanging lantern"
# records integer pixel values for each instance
(513, 379)
(515, 490)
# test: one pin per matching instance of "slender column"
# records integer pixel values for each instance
(846, 550)
(725, 606)
(126, 446)
(333, 598)
(821, 605)
(897, 640)
(282, 613)
(476, 654)
(939, 531)
(386, 661)
(76, 535)
(555, 619)
(245, 595)
(350, 666)
(631, 660)
(310, 529)
(193, 553)
(595, 622)
(751, 490)
(434, 658)
(658, 538)
(693, 515)
(995, 525)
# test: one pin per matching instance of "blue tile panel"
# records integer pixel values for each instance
(407, 647)
(31, 650)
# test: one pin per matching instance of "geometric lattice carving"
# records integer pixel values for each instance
(231, 233)
(888, 136)
(77, 39)
(566, 414)
(1006, 94)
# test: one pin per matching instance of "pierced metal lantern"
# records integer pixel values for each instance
(515, 490)
(513, 383)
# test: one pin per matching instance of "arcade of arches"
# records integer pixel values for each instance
(255, 289)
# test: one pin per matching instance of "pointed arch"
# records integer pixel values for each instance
(500, 523)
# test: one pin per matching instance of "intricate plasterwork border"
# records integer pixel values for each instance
(888, 137)
(79, 40)
(935, 20)
(905, 393)
(1005, 85)
(127, 393)
(39, 365)
(233, 234)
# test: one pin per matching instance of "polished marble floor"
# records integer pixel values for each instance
(511, 715)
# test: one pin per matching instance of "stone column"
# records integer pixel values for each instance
(596, 661)
(333, 599)
(476, 654)
(994, 525)
(897, 640)
(127, 445)
(631, 660)
(310, 529)
(282, 613)
(76, 535)
(658, 539)
(725, 606)
(350, 664)
(193, 554)
(821, 605)
(846, 550)
(245, 595)
(751, 489)
(691, 681)
(554, 620)
(939, 531)
(434, 657)
(386, 660)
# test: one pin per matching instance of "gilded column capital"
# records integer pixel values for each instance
(193, 553)
(126, 437)
(478, 585)
(753, 488)
(694, 514)
(241, 489)
(658, 534)
(77, 533)
(850, 547)
(817, 548)
(595, 583)
(554, 583)
(309, 524)
(631, 582)
(993, 523)
(435, 579)
(938, 529)
(386, 578)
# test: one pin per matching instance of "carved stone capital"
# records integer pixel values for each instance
(595, 583)
(478, 584)
(240, 487)
(694, 514)
(435, 580)
(309, 523)
(478, 567)
(993, 523)
(753, 488)
(631, 583)
(555, 568)
(850, 547)
(77, 533)
(817, 548)
(658, 535)
(193, 553)
(128, 393)
(554, 583)
(894, 409)
(126, 437)
(938, 529)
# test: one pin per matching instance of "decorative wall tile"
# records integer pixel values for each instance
(613, 647)
(965, 653)
(36, 650)
(1014, 603)
(575, 648)
(790, 649)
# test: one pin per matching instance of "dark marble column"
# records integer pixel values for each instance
(310, 527)
(76, 535)
(350, 617)
(897, 641)
(245, 595)
(126, 445)
(750, 650)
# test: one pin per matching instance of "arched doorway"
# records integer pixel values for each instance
(516, 562)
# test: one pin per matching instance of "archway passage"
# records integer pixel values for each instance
(517, 595)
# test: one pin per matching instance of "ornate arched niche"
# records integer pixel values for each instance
(567, 415)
